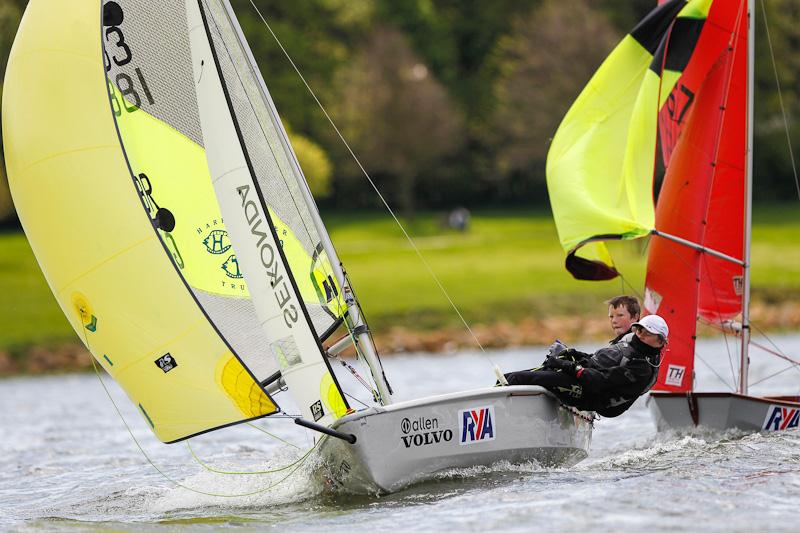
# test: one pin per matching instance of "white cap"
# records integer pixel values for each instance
(655, 325)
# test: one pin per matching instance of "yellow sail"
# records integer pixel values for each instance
(601, 163)
(81, 210)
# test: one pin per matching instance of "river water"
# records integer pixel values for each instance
(67, 462)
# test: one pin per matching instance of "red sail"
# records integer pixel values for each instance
(703, 131)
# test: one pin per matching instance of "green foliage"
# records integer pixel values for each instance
(316, 166)
(503, 71)
(397, 115)
(508, 266)
(29, 314)
(534, 90)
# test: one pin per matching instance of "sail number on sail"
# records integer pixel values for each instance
(127, 86)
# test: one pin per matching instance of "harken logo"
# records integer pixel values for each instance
(780, 418)
(231, 268)
(675, 375)
(217, 242)
(476, 425)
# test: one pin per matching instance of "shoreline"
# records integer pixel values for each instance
(72, 356)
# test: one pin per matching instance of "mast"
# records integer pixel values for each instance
(748, 202)
(356, 322)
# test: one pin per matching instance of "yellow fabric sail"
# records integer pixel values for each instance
(178, 177)
(98, 250)
(601, 162)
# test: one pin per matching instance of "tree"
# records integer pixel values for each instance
(545, 62)
(9, 21)
(773, 174)
(398, 117)
(316, 166)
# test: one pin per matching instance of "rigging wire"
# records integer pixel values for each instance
(710, 278)
(780, 98)
(698, 356)
(245, 473)
(372, 183)
(774, 374)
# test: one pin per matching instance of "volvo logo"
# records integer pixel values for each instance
(423, 431)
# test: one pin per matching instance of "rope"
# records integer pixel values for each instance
(163, 474)
(372, 183)
(260, 472)
(297, 464)
(774, 374)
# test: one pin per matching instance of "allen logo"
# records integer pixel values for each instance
(675, 375)
(217, 242)
(477, 425)
(779, 418)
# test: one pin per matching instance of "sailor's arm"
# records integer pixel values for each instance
(594, 380)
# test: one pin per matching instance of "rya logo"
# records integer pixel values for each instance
(779, 418)
(477, 425)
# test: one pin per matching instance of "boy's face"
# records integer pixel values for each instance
(620, 319)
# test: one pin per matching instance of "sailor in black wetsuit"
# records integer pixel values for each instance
(609, 380)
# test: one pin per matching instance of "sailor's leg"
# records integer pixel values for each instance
(563, 385)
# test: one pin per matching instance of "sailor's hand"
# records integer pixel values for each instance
(556, 349)
(554, 363)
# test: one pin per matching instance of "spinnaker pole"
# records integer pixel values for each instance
(748, 202)
(356, 323)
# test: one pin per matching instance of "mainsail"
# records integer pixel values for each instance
(702, 199)
(119, 240)
(256, 179)
(601, 163)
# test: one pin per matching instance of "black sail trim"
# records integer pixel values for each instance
(263, 202)
(652, 28)
(169, 256)
(680, 45)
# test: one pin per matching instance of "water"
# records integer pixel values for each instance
(67, 462)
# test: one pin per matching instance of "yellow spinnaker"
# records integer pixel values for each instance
(601, 163)
(94, 241)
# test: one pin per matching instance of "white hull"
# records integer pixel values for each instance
(407, 442)
(722, 410)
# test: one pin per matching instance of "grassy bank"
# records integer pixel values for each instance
(508, 268)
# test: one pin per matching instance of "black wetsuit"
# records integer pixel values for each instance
(610, 381)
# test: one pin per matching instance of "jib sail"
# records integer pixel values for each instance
(257, 182)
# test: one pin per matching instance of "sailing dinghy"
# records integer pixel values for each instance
(689, 81)
(168, 212)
